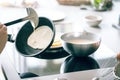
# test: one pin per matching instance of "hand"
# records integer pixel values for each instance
(3, 36)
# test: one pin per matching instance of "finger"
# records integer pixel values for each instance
(4, 28)
(1, 26)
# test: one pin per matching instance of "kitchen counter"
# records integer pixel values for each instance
(80, 75)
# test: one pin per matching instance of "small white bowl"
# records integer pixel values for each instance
(93, 20)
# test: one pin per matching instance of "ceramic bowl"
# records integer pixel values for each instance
(93, 20)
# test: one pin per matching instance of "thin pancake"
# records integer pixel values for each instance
(40, 38)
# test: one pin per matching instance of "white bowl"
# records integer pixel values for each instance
(93, 20)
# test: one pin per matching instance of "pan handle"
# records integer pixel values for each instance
(14, 22)
(10, 39)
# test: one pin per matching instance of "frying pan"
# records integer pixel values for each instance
(25, 32)
(24, 49)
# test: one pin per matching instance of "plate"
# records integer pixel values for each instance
(54, 15)
(57, 41)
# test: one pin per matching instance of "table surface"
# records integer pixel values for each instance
(73, 21)
(80, 75)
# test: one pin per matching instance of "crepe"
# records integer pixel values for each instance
(57, 41)
(40, 38)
